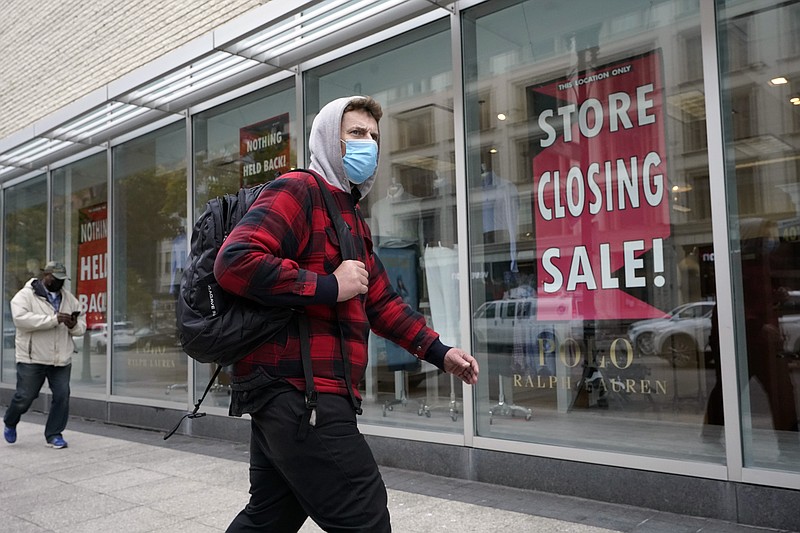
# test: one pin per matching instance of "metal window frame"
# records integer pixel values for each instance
(721, 238)
(85, 128)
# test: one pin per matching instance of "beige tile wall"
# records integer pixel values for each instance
(53, 52)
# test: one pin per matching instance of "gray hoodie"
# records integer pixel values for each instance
(325, 146)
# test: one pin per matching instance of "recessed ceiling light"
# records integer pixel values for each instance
(779, 80)
(493, 151)
(795, 100)
(501, 116)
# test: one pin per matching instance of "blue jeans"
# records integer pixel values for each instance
(30, 378)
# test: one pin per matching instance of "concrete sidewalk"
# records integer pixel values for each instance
(122, 480)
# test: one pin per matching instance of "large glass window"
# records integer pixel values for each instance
(590, 230)
(761, 98)
(411, 211)
(80, 240)
(245, 142)
(148, 247)
(24, 253)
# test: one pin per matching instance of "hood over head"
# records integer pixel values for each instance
(325, 146)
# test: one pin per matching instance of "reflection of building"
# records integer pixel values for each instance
(450, 122)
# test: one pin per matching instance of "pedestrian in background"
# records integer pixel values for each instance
(46, 316)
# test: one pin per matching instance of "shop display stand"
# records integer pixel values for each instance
(452, 406)
(621, 393)
(505, 409)
(400, 392)
(216, 387)
(176, 386)
(590, 386)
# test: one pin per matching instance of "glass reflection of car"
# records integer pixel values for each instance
(123, 336)
(682, 331)
(685, 333)
(495, 321)
(148, 339)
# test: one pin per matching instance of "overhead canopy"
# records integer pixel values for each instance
(275, 37)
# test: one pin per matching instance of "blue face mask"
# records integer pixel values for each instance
(360, 159)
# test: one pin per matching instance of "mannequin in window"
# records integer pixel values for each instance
(440, 259)
(396, 232)
(500, 213)
(441, 262)
(500, 220)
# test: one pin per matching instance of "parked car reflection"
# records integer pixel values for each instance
(148, 339)
(684, 333)
(686, 328)
(98, 337)
(510, 328)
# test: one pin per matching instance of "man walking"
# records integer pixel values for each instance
(46, 316)
(314, 462)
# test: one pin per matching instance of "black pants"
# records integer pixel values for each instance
(330, 475)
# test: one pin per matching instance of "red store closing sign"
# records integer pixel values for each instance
(92, 262)
(601, 193)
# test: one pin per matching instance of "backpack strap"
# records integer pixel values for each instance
(195, 414)
(348, 249)
(342, 229)
(348, 252)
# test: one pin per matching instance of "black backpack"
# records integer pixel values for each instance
(216, 326)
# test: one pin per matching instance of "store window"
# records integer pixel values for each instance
(244, 142)
(148, 246)
(592, 269)
(411, 210)
(80, 240)
(761, 99)
(24, 253)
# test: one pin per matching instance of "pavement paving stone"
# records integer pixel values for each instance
(162, 489)
(129, 480)
(134, 520)
(186, 526)
(66, 514)
(10, 523)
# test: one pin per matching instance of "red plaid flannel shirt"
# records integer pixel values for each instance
(284, 252)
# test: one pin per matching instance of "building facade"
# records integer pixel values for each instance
(599, 199)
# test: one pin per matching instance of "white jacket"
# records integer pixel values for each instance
(40, 338)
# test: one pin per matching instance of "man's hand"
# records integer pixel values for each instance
(353, 280)
(67, 319)
(462, 365)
